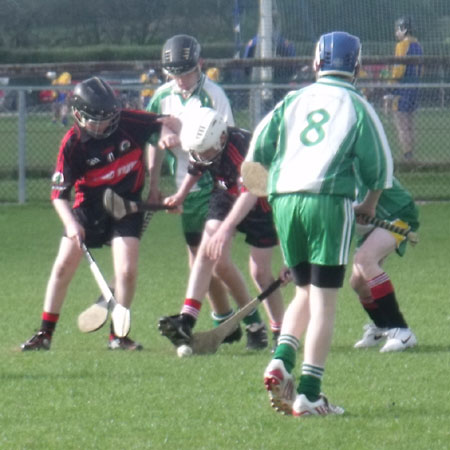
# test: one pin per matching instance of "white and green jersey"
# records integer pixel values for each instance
(168, 99)
(311, 139)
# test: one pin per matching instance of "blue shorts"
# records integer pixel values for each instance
(408, 100)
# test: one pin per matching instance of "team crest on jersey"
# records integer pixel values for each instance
(124, 145)
(58, 179)
(93, 161)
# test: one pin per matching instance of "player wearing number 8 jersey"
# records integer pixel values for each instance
(309, 144)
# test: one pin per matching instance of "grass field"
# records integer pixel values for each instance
(80, 395)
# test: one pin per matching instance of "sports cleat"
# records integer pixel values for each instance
(372, 336)
(124, 343)
(303, 407)
(176, 329)
(256, 336)
(275, 336)
(280, 386)
(235, 336)
(398, 339)
(40, 341)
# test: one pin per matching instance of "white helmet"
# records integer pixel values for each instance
(203, 134)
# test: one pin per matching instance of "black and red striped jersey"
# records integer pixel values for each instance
(90, 165)
(226, 170)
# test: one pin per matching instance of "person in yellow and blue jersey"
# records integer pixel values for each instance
(405, 99)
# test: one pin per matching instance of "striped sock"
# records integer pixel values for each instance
(49, 321)
(310, 381)
(275, 326)
(191, 307)
(382, 291)
(287, 350)
(219, 318)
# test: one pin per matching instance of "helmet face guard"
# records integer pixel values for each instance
(97, 127)
(338, 53)
(203, 135)
(95, 107)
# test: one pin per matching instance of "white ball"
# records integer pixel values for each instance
(184, 351)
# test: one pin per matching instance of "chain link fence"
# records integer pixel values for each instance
(31, 131)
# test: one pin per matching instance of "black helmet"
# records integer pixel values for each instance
(180, 54)
(404, 24)
(95, 107)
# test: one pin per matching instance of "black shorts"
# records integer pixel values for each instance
(100, 227)
(257, 226)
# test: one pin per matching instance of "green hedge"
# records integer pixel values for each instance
(100, 53)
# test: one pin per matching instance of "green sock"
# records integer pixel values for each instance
(287, 351)
(219, 318)
(310, 386)
(254, 317)
(310, 381)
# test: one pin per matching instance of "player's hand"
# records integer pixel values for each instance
(217, 242)
(285, 276)
(175, 202)
(76, 232)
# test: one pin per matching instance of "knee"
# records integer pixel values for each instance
(261, 275)
(127, 275)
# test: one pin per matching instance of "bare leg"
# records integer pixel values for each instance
(125, 258)
(261, 271)
(404, 123)
(296, 317)
(321, 325)
(64, 268)
(215, 289)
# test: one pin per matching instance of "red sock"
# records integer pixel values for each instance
(49, 321)
(191, 307)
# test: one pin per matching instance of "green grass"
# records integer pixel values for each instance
(80, 395)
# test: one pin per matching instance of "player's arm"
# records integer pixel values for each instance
(369, 204)
(178, 198)
(192, 176)
(244, 203)
(73, 228)
(155, 158)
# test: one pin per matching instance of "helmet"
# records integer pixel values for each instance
(95, 107)
(180, 54)
(403, 26)
(203, 134)
(338, 53)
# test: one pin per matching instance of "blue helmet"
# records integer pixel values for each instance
(338, 53)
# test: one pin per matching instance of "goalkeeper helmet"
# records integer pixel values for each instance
(203, 135)
(338, 53)
(95, 107)
(180, 54)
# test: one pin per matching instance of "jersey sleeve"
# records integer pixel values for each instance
(67, 169)
(372, 149)
(263, 144)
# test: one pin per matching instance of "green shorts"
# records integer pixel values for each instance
(313, 228)
(193, 218)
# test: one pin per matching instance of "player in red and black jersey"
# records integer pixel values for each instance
(103, 149)
(219, 149)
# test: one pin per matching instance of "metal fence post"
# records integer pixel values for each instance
(22, 120)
